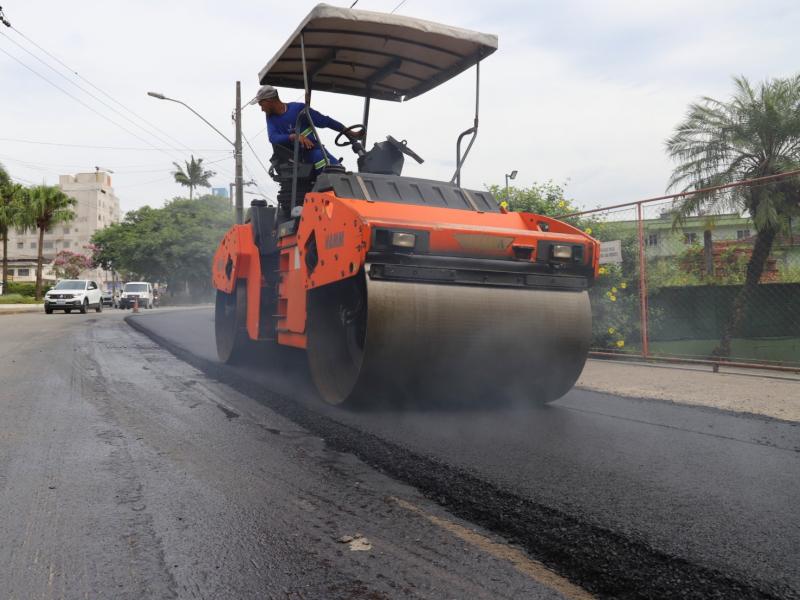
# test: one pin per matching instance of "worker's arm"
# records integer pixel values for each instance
(325, 121)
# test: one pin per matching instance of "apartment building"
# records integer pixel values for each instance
(97, 207)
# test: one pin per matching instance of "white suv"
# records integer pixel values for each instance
(136, 290)
(73, 294)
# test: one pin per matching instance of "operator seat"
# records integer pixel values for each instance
(282, 170)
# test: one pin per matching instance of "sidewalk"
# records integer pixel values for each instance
(769, 393)
(10, 309)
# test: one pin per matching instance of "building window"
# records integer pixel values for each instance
(20, 245)
(11, 272)
(23, 272)
(66, 243)
(75, 230)
(690, 238)
(742, 234)
(652, 239)
(33, 245)
(66, 229)
(48, 245)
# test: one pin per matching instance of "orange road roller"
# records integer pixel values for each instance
(400, 288)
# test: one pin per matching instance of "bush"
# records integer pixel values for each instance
(17, 299)
(24, 289)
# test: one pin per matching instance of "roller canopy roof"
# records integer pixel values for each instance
(373, 54)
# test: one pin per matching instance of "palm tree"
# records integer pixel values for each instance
(193, 176)
(47, 206)
(11, 196)
(754, 134)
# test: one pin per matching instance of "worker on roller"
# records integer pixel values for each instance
(281, 121)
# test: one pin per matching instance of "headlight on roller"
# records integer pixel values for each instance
(562, 251)
(401, 239)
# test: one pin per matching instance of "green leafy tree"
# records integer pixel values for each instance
(754, 134)
(174, 244)
(546, 198)
(194, 175)
(46, 206)
(12, 198)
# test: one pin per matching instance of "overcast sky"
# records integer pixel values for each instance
(583, 91)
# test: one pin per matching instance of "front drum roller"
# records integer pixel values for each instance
(392, 343)
(230, 324)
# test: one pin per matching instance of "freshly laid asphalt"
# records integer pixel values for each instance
(628, 498)
(126, 473)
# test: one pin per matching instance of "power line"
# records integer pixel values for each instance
(398, 6)
(266, 170)
(106, 94)
(85, 91)
(137, 148)
(81, 102)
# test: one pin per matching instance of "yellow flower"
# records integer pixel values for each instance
(613, 298)
(602, 271)
(504, 204)
(611, 330)
(623, 285)
(562, 204)
(613, 289)
(588, 230)
(620, 343)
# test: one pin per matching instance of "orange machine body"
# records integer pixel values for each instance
(335, 235)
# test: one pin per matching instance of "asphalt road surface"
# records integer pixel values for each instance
(127, 473)
(628, 498)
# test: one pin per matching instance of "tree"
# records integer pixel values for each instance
(754, 134)
(546, 198)
(12, 196)
(47, 206)
(174, 244)
(193, 176)
(69, 265)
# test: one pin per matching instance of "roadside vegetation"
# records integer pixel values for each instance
(755, 133)
(37, 208)
(173, 244)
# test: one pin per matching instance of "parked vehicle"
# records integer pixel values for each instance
(107, 298)
(74, 294)
(134, 291)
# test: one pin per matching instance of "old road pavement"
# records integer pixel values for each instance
(133, 465)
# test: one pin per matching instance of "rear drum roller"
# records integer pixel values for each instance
(230, 324)
(380, 342)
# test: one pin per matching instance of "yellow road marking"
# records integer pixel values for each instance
(522, 563)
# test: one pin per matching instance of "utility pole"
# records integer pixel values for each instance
(237, 151)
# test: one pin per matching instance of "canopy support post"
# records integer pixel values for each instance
(365, 118)
(471, 131)
(307, 113)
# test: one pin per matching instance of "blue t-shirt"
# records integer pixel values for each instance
(279, 127)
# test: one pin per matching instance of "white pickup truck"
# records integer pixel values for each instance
(136, 291)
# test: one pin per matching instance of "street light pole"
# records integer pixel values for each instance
(512, 175)
(237, 145)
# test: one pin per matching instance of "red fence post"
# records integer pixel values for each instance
(642, 281)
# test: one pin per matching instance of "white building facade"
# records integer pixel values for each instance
(97, 207)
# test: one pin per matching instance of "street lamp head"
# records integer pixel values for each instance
(513, 174)
(157, 95)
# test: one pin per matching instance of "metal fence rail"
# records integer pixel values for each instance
(668, 286)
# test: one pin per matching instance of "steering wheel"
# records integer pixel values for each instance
(354, 130)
